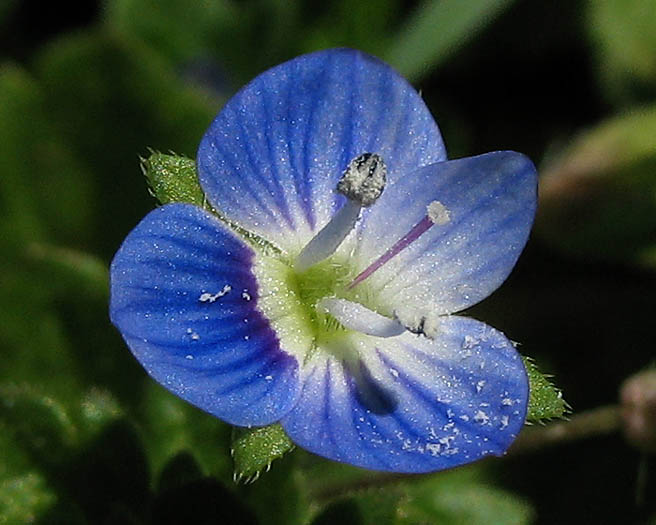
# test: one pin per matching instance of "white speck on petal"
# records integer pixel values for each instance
(480, 385)
(207, 297)
(504, 422)
(446, 441)
(481, 417)
(189, 356)
(506, 401)
(246, 296)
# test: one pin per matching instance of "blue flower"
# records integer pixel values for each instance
(320, 293)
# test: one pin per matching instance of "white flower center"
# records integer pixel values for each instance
(315, 301)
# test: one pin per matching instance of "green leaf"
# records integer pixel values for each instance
(598, 197)
(70, 271)
(545, 400)
(97, 409)
(345, 21)
(173, 178)
(40, 423)
(182, 469)
(178, 29)
(254, 449)
(461, 496)
(24, 498)
(108, 97)
(368, 507)
(109, 477)
(44, 189)
(203, 501)
(172, 426)
(345, 512)
(6, 8)
(281, 489)
(436, 30)
(451, 499)
(98, 83)
(624, 34)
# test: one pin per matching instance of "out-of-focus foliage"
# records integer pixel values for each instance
(624, 34)
(87, 437)
(457, 497)
(598, 198)
(436, 30)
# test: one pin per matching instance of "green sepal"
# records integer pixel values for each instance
(254, 449)
(173, 178)
(545, 400)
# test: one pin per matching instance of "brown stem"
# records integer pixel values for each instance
(595, 422)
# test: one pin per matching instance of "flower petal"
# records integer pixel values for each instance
(185, 300)
(411, 404)
(490, 200)
(271, 159)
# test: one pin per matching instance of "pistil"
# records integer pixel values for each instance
(362, 183)
(436, 213)
(355, 316)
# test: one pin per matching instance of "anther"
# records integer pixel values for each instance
(436, 213)
(364, 179)
(362, 183)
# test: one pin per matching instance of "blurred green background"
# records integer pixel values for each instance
(85, 90)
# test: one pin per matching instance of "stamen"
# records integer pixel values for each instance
(436, 213)
(356, 317)
(362, 183)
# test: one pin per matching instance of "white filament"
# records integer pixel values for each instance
(356, 317)
(324, 243)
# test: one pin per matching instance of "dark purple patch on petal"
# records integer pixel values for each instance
(185, 299)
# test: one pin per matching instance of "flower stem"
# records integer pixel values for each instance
(596, 422)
